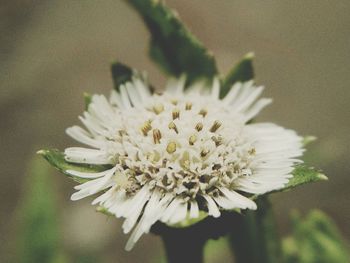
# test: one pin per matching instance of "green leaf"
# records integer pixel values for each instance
(243, 71)
(39, 236)
(303, 175)
(120, 74)
(314, 239)
(172, 45)
(87, 100)
(57, 160)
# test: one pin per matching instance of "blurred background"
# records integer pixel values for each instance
(53, 51)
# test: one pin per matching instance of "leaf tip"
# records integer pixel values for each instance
(322, 177)
(308, 139)
(86, 95)
(250, 55)
(103, 210)
(42, 152)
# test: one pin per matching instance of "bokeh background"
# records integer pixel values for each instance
(53, 51)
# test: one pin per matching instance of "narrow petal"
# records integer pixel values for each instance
(194, 211)
(238, 200)
(212, 207)
(88, 156)
(256, 108)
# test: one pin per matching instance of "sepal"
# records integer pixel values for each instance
(57, 160)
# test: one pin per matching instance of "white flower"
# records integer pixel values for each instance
(173, 154)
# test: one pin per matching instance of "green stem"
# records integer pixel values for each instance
(186, 244)
(183, 248)
(256, 239)
(181, 244)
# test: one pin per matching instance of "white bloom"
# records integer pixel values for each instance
(173, 154)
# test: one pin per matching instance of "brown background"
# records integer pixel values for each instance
(53, 51)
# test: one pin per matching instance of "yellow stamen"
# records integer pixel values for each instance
(176, 114)
(172, 126)
(156, 136)
(171, 148)
(158, 108)
(203, 112)
(216, 125)
(204, 153)
(146, 127)
(199, 126)
(192, 139)
(188, 106)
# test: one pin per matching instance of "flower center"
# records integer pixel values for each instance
(187, 146)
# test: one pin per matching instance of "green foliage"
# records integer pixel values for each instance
(303, 175)
(314, 239)
(243, 71)
(120, 74)
(38, 239)
(172, 45)
(56, 159)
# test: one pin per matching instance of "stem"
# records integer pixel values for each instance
(186, 244)
(181, 244)
(183, 248)
(257, 240)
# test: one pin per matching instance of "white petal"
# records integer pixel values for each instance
(215, 91)
(238, 200)
(194, 211)
(232, 94)
(212, 207)
(90, 175)
(170, 209)
(80, 135)
(125, 97)
(88, 156)
(256, 108)
(247, 102)
(148, 218)
(179, 214)
(135, 208)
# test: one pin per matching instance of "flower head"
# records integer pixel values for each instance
(169, 156)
